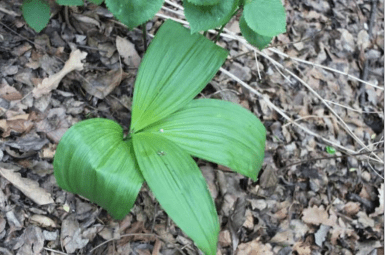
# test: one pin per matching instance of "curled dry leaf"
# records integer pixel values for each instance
(29, 187)
(43, 221)
(52, 82)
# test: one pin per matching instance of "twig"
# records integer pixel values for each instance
(349, 108)
(113, 239)
(330, 157)
(257, 65)
(59, 252)
(324, 67)
(307, 117)
(174, 4)
(173, 11)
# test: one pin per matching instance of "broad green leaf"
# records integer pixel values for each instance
(252, 37)
(180, 188)
(133, 13)
(36, 13)
(204, 2)
(203, 17)
(96, 1)
(217, 131)
(175, 68)
(92, 160)
(70, 2)
(265, 17)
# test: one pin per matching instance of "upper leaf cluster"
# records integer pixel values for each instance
(261, 20)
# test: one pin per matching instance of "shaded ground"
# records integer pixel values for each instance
(329, 206)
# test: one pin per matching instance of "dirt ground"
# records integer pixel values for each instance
(306, 200)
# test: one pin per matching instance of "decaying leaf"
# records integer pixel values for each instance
(254, 247)
(9, 93)
(17, 126)
(33, 242)
(29, 187)
(42, 221)
(127, 51)
(101, 86)
(71, 236)
(318, 215)
(302, 248)
(52, 82)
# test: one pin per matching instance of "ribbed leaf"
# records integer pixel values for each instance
(133, 13)
(180, 188)
(203, 17)
(265, 17)
(204, 2)
(252, 37)
(218, 131)
(36, 13)
(175, 68)
(93, 160)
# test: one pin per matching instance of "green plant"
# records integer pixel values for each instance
(260, 22)
(168, 126)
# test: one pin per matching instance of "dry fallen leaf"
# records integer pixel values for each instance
(254, 247)
(101, 86)
(127, 51)
(52, 82)
(302, 248)
(352, 208)
(71, 236)
(9, 93)
(318, 215)
(33, 242)
(42, 221)
(29, 187)
(224, 238)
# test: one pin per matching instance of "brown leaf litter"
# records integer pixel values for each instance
(330, 206)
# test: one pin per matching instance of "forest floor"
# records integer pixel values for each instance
(306, 200)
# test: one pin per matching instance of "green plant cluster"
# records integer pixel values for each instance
(261, 20)
(168, 127)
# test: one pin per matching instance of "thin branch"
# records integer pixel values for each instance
(173, 11)
(349, 108)
(55, 251)
(257, 65)
(174, 4)
(324, 67)
(329, 157)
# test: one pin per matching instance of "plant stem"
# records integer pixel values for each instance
(219, 32)
(223, 26)
(144, 35)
